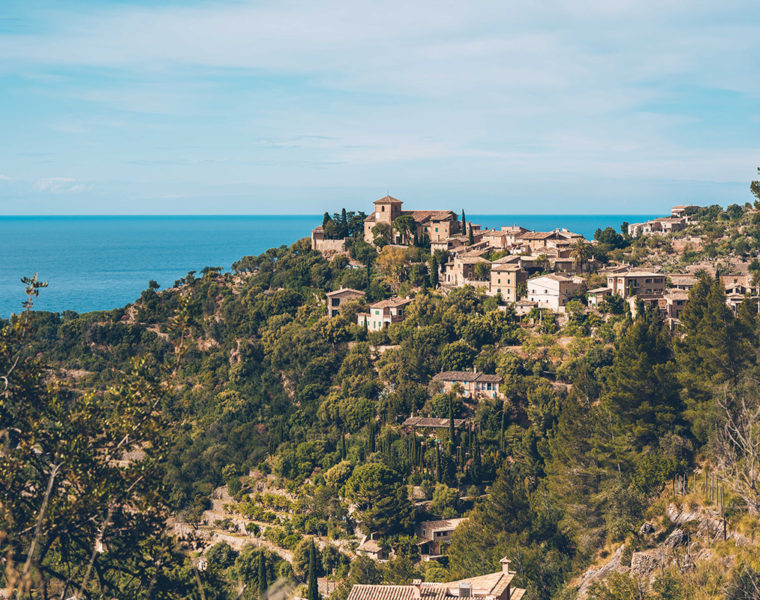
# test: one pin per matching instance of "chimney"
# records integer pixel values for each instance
(505, 564)
(417, 584)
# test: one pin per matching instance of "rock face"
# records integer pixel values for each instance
(593, 575)
(644, 563)
(677, 538)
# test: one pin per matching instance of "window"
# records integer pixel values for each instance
(335, 302)
(436, 230)
(382, 208)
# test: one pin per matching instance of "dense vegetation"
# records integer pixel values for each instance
(228, 378)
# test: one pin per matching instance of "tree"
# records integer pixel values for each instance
(444, 502)
(470, 236)
(393, 264)
(312, 592)
(262, 578)
(404, 225)
(433, 272)
(457, 356)
(464, 222)
(382, 503)
(714, 350)
(641, 392)
(581, 253)
(738, 440)
(66, 498)
(381, 234)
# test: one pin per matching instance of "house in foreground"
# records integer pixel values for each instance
(475, 385)
(435, 536)
(383, 313)
(494, 586)
(337, 298)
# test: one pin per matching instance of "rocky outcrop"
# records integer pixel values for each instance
(593, 575)
(644, 564)
(678, 537)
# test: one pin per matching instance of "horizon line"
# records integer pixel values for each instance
(310, 215)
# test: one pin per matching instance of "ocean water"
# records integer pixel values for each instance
(100, 262)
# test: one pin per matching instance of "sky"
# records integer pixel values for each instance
(284, 107)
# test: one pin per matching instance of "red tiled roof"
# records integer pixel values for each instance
(388, 200)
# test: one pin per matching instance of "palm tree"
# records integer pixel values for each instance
(581, 252)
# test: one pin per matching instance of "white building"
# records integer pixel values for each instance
(553, 291)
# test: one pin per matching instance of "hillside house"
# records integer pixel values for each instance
(553, 291)
(476, 385)
(685, 212)
(438, 225)
(370, 548)
(636, 283)
(383, 313)
(682, 281)
(493, 586)
(505, 280)
(739, 284)
(596, 296)
(672, 302)
(339, 297)
(435, 536)
(463, 270)
(541, 242)
(657, 226)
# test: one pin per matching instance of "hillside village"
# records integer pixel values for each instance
(557, 270)
(408, 406)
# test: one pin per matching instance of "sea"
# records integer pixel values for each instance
(104, 262)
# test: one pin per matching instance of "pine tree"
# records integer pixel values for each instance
(312, 592)
(716, 348)
(641, 393)
(263, 585)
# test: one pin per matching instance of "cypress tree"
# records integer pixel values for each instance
(433, 272)
(343, 452)
(263, 585)
(503, 426)
(470, 236)
(438, 471)
(452, 432)
(464, 224)
(312, 592)
(326, 219)
(372, 435)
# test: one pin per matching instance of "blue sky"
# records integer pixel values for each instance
(232, 106)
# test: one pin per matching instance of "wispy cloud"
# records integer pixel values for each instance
(60, 185)
(4, 177)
